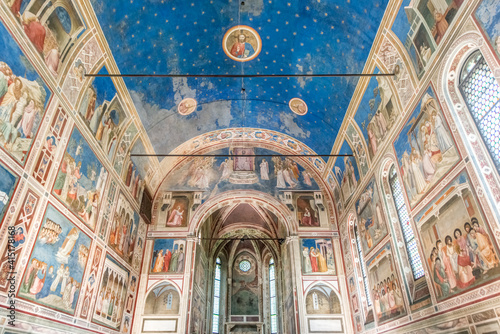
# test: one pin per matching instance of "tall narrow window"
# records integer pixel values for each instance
(404, 221)
(481, 93)
(215, 317)
(363, 267)
(272, 295)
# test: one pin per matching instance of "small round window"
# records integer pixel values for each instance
(244, 265)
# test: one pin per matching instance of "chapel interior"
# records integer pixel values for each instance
(249, 166)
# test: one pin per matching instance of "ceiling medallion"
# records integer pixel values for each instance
(242, 43)
(187, 106)
(298, 106)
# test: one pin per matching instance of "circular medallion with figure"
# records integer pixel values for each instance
(187, 106)
(298, 106)
(242, 43)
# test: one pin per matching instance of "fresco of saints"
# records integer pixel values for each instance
(242, 49)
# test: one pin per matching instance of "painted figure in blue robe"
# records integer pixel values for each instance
(48, 282)
(19, 237)
(242, 49)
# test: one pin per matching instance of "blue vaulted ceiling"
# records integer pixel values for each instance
(185, 37)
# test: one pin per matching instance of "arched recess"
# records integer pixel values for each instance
(248, 196)
(456, 108)
(163, 293)
(336, 304)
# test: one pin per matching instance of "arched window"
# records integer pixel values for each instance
(363, 266)
(272, 295)
(404, 221)
(315, 301)
(481, 93)
(169, 301)
(215, 317)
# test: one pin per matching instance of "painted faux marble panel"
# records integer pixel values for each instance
(81, 180)
(317, 257)
(54, 272)
(24, 97)
(457, 242)
(425, 148)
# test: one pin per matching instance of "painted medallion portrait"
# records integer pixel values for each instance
(242, 43)
(298, 106)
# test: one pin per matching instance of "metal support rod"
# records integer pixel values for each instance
(239, 155)
(131, 75)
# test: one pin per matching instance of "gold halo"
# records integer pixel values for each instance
(249, 33)
(295, 105)
(187, 106)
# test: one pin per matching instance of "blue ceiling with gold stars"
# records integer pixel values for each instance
(185, 37)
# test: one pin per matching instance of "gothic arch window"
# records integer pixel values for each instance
(272, 297)
(315, 301)
(404, 221)
(216, 311)
(362, 265)
(481, 93)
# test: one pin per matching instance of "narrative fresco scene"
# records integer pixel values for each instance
(250, 167)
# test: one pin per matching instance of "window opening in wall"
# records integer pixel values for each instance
(215, 317)
(315, 301)
(272, 295)
(404, 221)
(363, 267)
(481, 93)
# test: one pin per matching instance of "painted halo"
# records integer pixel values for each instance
(298, 106)
(187, 106)
(242, 43)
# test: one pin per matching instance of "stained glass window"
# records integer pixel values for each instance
(404, 221)
(272, 295)
(245, 265)
(363, 267)
(215, 316)
(481, 93)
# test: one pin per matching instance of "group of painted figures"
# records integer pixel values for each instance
(21, 105)
(314, 261)
(420, 167)
(462, 260)
(167, 261)
(110, 301)
(40, 283)
(387, 298)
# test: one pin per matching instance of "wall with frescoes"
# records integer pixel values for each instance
(421, 229)
(72, 239)
(400, 233)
